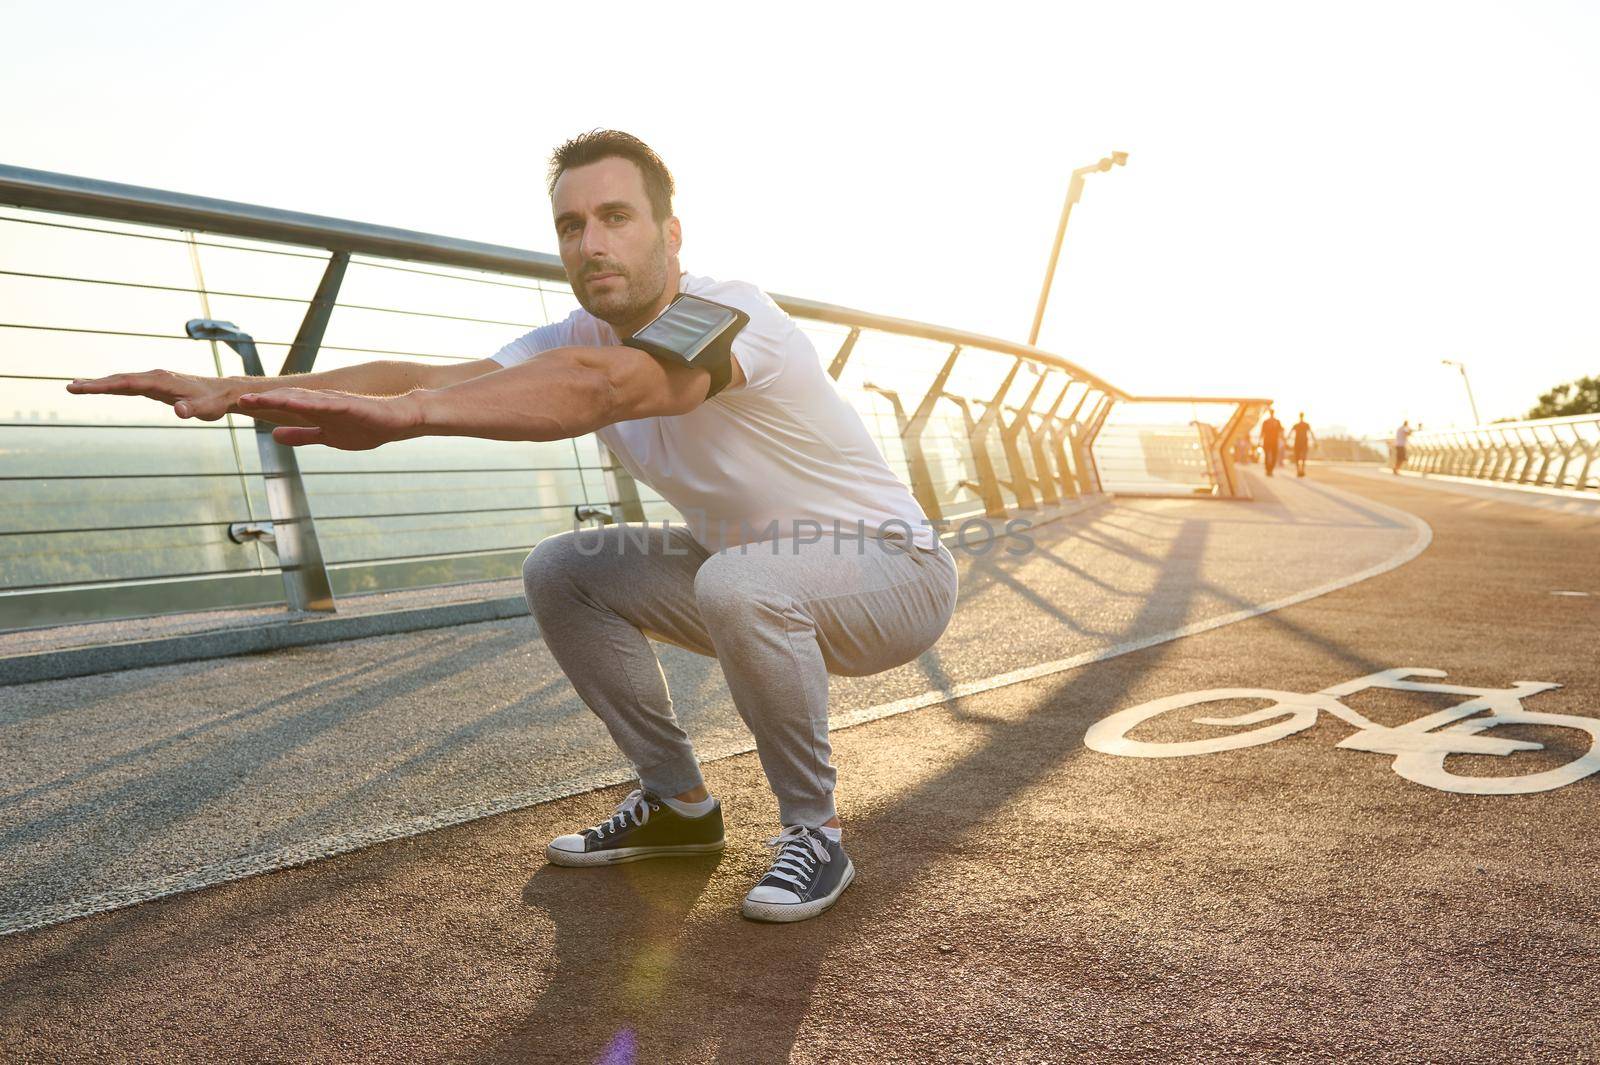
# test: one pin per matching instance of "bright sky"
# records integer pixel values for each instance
(1320, 202)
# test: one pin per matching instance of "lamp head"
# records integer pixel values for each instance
(1119, 158)
(211, 329)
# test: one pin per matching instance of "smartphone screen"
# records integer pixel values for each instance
(687, 326)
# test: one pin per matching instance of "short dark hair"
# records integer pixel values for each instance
(600, 144)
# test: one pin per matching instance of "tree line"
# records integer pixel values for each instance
(1575, 397)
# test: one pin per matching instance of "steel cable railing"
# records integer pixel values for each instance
(258, 296)
(103, 521)
(261, 343)
(1545, 452)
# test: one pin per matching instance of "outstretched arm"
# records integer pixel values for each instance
(210, 398)
(560, 393)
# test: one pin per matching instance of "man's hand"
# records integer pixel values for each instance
(339, 420)
(206, 398)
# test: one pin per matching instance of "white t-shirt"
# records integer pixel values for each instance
(1400, 435)
(782, 447)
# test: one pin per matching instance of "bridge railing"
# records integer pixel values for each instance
(1175, 445)
(1549, 452)
(117, 508)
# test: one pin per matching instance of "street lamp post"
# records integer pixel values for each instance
(1476, 420)
(1074, 191)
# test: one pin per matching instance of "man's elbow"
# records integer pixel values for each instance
(583, 398)
(596, 403)
(643, 388)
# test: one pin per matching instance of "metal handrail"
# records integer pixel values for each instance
(1544, 452)
(1527, 423)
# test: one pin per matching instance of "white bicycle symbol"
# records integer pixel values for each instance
(1419, 751)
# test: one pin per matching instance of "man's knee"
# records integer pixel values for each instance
(723, 588)
(551, 566)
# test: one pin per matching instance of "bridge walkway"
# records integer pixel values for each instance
(1021, 896)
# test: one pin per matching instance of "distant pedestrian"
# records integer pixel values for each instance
(1400, 436)
(1271, 440)
(1300, 437)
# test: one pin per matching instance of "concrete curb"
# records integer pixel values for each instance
(225, 643)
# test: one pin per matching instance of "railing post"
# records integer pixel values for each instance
(1546, 451)
(1210, 440)
(911, 430)
(294, 534)
(1488, 454)
(1505, 456)
(1062, 431)
(1021, 483)
(1045, 478)
(1535, 453)
(1593, 452)
(1083, 445)
(621, 486)
(1521, 458)
(308, 341)
(1569, 452)
(1513, 457)
(836, 367)
(1244, 416)
(988, 484)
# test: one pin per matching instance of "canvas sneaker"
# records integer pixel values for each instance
(808, 875)
(642, 827)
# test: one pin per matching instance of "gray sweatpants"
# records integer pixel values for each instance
(779, 616)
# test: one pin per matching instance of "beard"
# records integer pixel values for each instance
(641, 288)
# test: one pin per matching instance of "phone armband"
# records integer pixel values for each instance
(697, 332)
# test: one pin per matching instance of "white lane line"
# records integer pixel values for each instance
(343, 843)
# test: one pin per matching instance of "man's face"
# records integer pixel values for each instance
(615, 253)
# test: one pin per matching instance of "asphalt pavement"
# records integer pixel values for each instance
(1020, 896)
(128, 785)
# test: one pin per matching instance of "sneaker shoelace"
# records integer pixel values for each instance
(799, 852)
(635, 809)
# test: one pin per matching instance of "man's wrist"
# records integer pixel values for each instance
(238, 386)
(420, 406)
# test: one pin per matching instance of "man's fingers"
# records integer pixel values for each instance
(292, 399)
(270, 401)
(125, 385)
(297, 435)
(193, 408)
(94, 384)
(189, 397)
